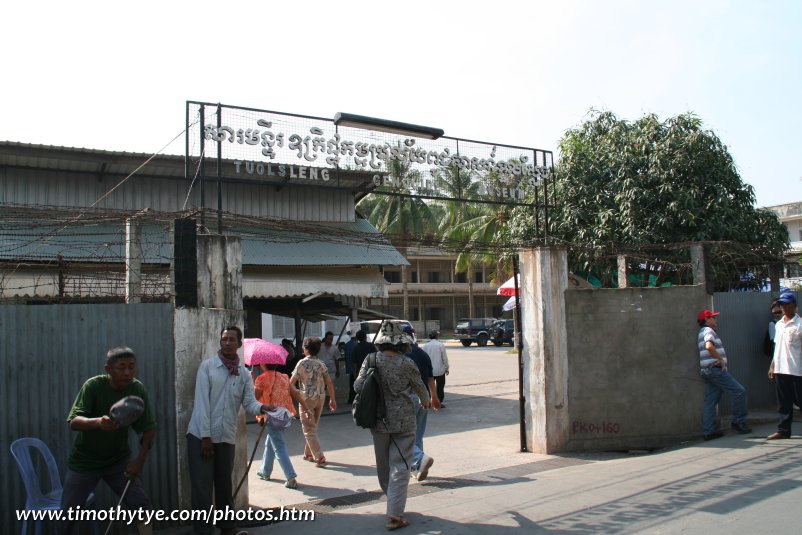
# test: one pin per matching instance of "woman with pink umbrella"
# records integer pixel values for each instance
(273, 388)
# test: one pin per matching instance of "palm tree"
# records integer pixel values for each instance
(456, 184)
(398, 215)
(480, 238)
(476, 230)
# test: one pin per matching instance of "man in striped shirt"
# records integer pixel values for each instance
(713, 360)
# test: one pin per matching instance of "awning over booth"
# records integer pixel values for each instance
(354, 243)
(313, 280)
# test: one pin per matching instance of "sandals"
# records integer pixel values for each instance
(396, 522)
(309, 458)
(263, 476)
(321, 463)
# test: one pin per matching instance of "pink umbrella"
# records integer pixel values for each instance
(258, 351)
(508, 288)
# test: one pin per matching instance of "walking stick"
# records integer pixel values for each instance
(253, 454)
(122, 497)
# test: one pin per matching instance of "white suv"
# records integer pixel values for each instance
(371, 327)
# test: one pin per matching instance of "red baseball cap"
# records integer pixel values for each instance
(703, 315)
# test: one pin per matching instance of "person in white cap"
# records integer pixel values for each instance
(717, 380)
(786, 366)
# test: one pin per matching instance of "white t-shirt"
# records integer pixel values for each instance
(329, 354)
(788, 346)
(437, 353)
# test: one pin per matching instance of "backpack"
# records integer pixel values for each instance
(369, 405)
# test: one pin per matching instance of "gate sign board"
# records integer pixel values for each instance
(245, 144)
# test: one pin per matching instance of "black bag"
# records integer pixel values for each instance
(369, 405)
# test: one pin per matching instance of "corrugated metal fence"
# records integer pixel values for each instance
(742, 326)
(48, 351)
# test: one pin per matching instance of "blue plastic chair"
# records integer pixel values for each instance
(39, 499)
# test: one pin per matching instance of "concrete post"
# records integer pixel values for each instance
(133, 261)
(774, 276)
(197, 337)
(623, 271)
(219, 272)
(702, 271)
(544, 279)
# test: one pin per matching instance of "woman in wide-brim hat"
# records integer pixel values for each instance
(394, 435)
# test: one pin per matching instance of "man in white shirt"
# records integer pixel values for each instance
(330, 355)
(786, 366)
(222, 385)
(437, 353)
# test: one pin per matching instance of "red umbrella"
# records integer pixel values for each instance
(574, 282)
(508, 288)
(258, 351)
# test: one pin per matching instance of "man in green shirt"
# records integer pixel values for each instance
(101, 448)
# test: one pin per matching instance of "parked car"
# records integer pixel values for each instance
(469, 330)
(371, 328)
(503, 332)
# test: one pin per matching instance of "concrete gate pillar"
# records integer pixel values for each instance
(544, 279)
(197, 337)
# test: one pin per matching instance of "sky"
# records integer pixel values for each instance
(116, 76)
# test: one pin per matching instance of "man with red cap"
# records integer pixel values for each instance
(713, 360)
(786, 366)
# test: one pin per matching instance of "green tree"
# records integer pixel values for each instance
(621, 183)
(398, 215)
(453, 182)
(475, 230)
(479, 236)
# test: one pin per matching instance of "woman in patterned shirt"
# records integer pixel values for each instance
(394, 435)
(315, 382)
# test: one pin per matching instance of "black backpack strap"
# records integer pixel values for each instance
(382, 409)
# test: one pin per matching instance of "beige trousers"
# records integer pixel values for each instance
(309, 424)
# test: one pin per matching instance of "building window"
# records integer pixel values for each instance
(284, 327)
(392, 276)
(434, 276)
(436, 314)
(478, 277)
(414, 276)
(461, 277)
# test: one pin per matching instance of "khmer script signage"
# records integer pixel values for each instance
(260, 144)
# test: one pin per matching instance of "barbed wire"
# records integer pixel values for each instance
(86, 258)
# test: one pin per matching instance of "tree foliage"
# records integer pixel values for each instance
(625, 183)
(393, 212)
(477, 231)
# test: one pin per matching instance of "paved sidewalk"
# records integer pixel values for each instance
(736, 484)
(481, 484)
